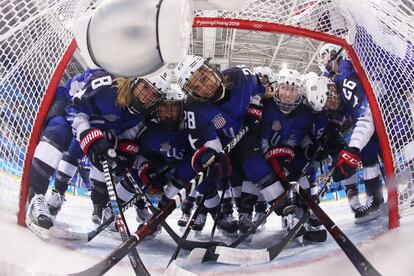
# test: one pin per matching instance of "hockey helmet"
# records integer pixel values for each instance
(149, 91)
(200, 80)
(169, 111)
(321, 94)
(288, 92)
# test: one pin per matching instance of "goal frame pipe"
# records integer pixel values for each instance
(254, 25)
(38, 127)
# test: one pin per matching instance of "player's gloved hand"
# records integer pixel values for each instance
(348, 161)
(332, 140)
(127, 151)
(95, 144)
(151, 178)
(280, 158)
(216, 170)
(311, 152)
(253, 117)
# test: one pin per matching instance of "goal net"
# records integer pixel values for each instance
(36, 45)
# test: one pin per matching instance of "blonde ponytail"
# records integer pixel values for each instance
(124, 96)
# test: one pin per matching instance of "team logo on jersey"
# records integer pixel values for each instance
(165, 147)
(219, 121)
(111, 117)
(276, 126)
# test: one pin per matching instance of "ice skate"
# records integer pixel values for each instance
(97, 214)
(314, 230)
(199, 223)
(143, 214)
(245, 223)
(369, 211)
(258, 216)
(38, 219)
(182, 222)
(228, 226)
(54, 202)
(352, 195)
(291, 216)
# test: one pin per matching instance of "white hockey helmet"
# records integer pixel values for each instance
(148, 91)
(290, 98)
(170, 112)
(186, 69)
(199, 79)
(135, 38)
(262, 71)
(306, 77)
(161, 81)
(174, 93)
(327, 53)
(318, 90)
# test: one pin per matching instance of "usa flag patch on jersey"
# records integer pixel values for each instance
(219, 121)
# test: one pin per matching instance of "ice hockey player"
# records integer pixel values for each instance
(164, 163)
(218, 105)
(108, 113)
(285, 124)
(348, 97)
(55, 140)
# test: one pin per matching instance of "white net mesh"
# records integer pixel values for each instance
(35, 34)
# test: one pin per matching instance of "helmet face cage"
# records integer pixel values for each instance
(333, 100)
(328, 54)
(145, 95)
(204, 84)
(287, 96)
(170, 114)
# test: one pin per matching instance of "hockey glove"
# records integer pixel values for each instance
(348, 161)
(95, 144)
(218, 169)
(280, 158)
(312, 152)
(253, 117)
(332, 140)
(151, 178)
(127, 151)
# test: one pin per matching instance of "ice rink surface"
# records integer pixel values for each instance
(390, 252)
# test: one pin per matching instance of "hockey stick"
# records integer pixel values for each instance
(187, 245)
(58, 234)
(122, 227)
(354, 255)
(118, 253)
(236, 256)
(188, 229)
(212, 254)
(213, 229)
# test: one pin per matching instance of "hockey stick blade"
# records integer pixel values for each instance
(61, 235)
(173, 270)
(186, 245)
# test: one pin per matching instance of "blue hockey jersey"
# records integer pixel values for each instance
(95, 106)
(282, 130)
(215, 124)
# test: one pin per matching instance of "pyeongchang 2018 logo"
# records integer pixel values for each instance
(216, 23)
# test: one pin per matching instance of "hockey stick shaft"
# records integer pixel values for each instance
(213, 229)
(187, 245)
(118, 253)
(188, 229)
(123, 230)
(354, 255)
